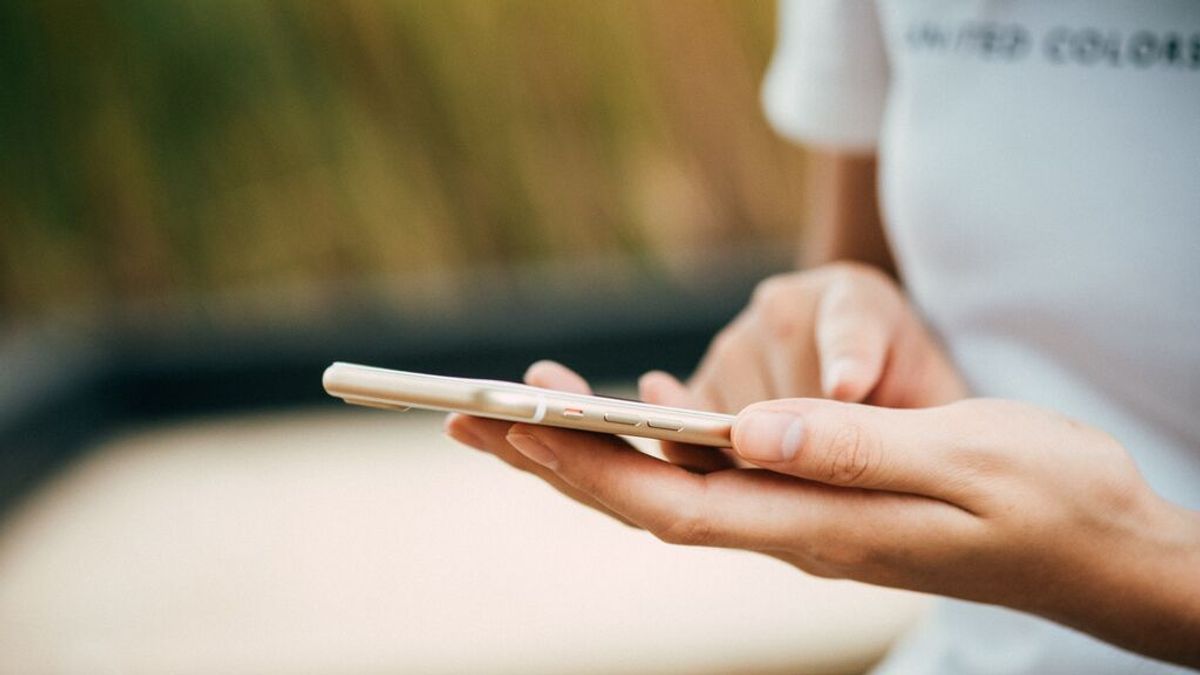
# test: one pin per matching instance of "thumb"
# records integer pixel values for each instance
(850, 445)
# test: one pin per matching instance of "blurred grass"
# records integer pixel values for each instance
(164, 147)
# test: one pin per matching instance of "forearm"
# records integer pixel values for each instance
(844, 220)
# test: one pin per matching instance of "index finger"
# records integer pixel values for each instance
(854, 330)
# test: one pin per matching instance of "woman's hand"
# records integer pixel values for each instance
(986, 500)
(843, 331)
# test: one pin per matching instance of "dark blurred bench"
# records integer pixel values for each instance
(67, 385)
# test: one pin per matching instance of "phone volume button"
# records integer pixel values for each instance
(617, 418)
(669, 425)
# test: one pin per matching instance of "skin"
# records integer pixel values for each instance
(844, 221)
(896, 477)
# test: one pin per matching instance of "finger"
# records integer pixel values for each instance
(676, 505)
(661, 388)
(883, 538)
(742, 508)
(793, 366)
(554, 375)
(785, 310)
(732, 374)
(857, 446)
(854, 329)
(489, 436)
(919, 374)
(703, 385)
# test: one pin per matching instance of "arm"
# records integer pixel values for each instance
(844, 221)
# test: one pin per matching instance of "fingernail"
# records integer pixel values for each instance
(836, 372)
(769, 436)
(534, 449)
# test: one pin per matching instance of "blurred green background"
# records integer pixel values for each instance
(204, 202)
(163, 149)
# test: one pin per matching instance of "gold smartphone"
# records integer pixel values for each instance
(399, 390)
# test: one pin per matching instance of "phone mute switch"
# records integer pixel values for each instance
(617, 418)
(669, 425)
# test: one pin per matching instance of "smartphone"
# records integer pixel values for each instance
(399, 390)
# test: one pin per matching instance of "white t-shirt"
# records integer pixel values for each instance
(1040, 179)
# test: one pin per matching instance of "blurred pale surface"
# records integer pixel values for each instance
(360, 541)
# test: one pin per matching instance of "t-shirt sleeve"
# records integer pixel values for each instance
(828, 79)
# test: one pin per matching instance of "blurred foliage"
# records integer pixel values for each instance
(158, 147)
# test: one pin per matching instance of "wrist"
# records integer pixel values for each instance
(1173, 629)
(1180, 547)
(1142, 588)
